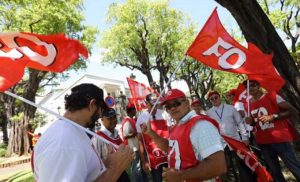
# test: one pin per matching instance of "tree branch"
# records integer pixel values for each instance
(31, 25)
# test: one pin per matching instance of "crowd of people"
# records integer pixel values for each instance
(173, 139)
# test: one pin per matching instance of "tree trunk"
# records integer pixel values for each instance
(257, 28)
(4, 126)
(18, 139)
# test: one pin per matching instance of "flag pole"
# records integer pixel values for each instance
(60, 117)
(248, 99)
(156, 102)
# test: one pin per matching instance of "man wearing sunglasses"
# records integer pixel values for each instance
(152, 157)
(195, 152)
(273, 132)
(66, 153)
(232, 126)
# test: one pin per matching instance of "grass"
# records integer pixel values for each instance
(22, 176)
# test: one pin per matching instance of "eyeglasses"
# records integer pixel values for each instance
(175, 104)
(214, 98)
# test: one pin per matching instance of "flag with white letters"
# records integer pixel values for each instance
(215, 48)
(18, 50)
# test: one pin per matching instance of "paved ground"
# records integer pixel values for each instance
(11, 170)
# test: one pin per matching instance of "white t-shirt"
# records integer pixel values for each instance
(230, 121)
(145, 116)
(65, 153)
(128, 130)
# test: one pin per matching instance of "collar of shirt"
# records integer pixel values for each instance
(218, 107)
(187, 117)
(108, 133)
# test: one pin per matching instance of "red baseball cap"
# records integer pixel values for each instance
(213, 92)
(195, 102)
(130, 105)
(173, 94)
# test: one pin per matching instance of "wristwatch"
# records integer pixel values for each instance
(275, 116)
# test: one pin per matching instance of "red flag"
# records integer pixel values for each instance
(271, 81)
(240, 94)
(139, 92)
(249, 158)
(138, 103)
(43, 52)
(11, 72)
(216, 48)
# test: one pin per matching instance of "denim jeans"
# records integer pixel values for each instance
(156, 174)
(286, 152)
(137, 172)
(237, 170)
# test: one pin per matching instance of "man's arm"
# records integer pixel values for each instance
(128, 131)
(286, 111)
(212, 166)
(145, 163)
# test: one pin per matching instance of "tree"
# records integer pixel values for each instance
(146, 36)
(199, 79)
(258, 29)
(38, 16)
(284, 14)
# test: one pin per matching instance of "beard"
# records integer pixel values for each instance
(92, 124)
(93, 121)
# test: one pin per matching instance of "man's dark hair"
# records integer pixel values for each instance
(81, 95)
(250, 81)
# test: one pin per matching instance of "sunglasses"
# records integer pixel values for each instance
(175, 104)
(214, 98)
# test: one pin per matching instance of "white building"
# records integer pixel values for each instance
(54, 101)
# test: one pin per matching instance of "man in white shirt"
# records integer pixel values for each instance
(130, 138)
(66, 153)
(231, 125)
(152, 158)
(195, 152)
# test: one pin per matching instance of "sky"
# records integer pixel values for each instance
(95, 13)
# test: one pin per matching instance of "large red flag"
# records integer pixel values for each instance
(139, 92)
(249, 158)
(216, 48)
(271, 81)
(43, 52)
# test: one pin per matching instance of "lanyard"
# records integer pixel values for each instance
(220, 116)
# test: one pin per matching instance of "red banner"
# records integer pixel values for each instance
(215, 47)
(240, 94)
(249, 158)
(138, 92)
(43, 52)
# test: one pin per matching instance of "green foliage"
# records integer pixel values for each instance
(43, 17)
(144, 34)
(21, 176)
(226, 81)
(284, 15)
(3, 148)
(39, 120)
